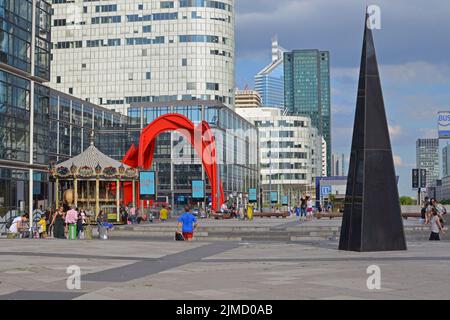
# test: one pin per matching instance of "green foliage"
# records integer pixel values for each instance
(406, 201)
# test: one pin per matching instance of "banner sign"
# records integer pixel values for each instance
(415, 178)
(147, 185)
(423, 178)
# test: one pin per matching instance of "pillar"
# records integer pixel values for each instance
(75, 192)
(118, 199)
(134, 193)
(57, 193)
(97, 197)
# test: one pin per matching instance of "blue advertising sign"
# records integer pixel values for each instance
(182, 200)
(198, 189)
(444, 124)
(325, 191)
(284, 200)
(147, 184)
(252, 195)
(274, 197)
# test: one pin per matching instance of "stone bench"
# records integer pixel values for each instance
(271, 214)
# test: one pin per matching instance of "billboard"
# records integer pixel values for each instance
(444, 124)
(285, 200)
(198, 189)
(147, 185)
(252, 195)
(274, 197)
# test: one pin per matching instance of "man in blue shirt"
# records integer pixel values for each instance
(187, 224)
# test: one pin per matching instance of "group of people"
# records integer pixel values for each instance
(433, 213)
(50, 223)
(305, 209)
(131, 215)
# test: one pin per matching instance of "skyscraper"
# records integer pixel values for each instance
(307, 90)
(427, 157)
(123, 52)
(446, 161)
(269, 82)
(337, 165)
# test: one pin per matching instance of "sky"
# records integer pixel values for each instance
(413, 51)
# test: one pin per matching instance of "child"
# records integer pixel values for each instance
(436, 226)
(42, 227)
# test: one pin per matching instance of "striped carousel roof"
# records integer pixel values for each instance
(91, 157)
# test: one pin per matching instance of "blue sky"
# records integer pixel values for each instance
(413, 49)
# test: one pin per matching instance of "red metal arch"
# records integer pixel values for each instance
(200, 137)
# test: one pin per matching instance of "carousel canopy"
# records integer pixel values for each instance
(92, 162)
(92, 157)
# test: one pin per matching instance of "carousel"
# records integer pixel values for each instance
(94, 182)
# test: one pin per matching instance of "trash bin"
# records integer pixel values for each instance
(72, 231)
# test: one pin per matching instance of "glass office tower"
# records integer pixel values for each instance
(307, 90)
(24, 103)
(269, 82)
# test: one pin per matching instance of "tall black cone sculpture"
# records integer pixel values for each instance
(372, 214)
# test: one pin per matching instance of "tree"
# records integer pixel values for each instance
(406, 201)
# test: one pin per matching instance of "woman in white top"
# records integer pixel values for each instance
(436, 226)
(17, 225)
(309, 208)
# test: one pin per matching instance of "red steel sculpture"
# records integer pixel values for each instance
(200, 137)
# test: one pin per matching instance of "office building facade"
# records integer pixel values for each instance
(338, 165)
(120, 52)
(307, 90)
(427, 157)
(24, 102)
(247, 99)
(269, 82)
(289, 158)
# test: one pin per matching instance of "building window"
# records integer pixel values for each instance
(59, 22)
(83, 66)
(147, 29)
(191, 86)
(148, 75)
(85, 9)
(58, 79)
(140, 7)
(184, 62)
(130, 76)
(212, 86)
(167, 4)
(70, 90)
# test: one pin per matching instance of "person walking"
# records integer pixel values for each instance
(80, 226)
(303, 206)
(58, 223)
(187, 224)
(436, 226)
(163, 213)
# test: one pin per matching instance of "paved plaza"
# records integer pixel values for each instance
(127, 268)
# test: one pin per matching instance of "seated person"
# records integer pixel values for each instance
(19, 225)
